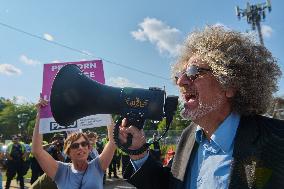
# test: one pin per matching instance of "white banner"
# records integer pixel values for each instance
(49, 125)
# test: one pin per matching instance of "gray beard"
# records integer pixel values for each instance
(202, 109)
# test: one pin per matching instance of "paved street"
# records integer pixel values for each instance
(15, 185)
(110, 184)
(117, 184)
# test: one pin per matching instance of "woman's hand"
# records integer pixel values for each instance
(41, 103)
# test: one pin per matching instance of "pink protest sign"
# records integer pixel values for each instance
(92, 69)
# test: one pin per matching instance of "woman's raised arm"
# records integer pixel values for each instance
(109, 149)
(45, 160)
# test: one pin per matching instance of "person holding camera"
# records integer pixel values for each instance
(80, 173)
(55, 148)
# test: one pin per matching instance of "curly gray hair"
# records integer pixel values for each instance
(237, 61)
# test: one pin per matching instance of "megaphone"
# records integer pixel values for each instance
(74, 95)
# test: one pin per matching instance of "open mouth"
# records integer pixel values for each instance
(190, 96)
(80, 153)
(190, 99)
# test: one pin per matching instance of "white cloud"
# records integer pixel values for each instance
(219, 24)
(28, 61)
(266, 31)
(56, 61)
(48, 37)
(9, 69)
(121, 82)
(165, 38)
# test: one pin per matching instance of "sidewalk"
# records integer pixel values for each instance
(120, 183)
(117, 184)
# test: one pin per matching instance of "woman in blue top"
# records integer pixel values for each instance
(80, 174)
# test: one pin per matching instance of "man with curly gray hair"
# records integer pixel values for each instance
(226, 82)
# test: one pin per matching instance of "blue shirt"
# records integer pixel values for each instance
(138, 163)
(67, 177)
(211, 165)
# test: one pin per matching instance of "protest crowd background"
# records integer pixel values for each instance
(16, 126)
(17, 122)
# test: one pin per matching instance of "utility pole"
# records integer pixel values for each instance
(254, 15)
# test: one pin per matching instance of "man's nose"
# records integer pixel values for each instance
(184, 80)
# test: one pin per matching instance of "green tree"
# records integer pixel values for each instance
(8, 119)
(3, 103)
(26, 114)
(16, 118)
(151, 125)
(178, 122)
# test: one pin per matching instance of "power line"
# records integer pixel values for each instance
(81, 52)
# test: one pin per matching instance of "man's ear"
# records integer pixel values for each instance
(230, 92)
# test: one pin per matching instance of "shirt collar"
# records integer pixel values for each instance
(224, 136)
(199, 136)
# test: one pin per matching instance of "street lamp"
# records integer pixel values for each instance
(254, 14)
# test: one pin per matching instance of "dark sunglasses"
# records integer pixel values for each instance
(76, 145)
(192, 72)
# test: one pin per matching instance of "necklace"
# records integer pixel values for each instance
(81, 183)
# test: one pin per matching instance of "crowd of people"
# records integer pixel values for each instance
(226, 81)
(17, 158)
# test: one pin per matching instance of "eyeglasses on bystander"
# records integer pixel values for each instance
(76, 145)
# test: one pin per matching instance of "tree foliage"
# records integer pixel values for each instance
(178, 122)
(15, 118)
(20, 119)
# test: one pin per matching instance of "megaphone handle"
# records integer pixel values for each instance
(129, 141)
(124, 147)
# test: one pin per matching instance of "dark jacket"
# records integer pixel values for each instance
(258, 158)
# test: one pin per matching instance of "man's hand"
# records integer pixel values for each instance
(138, 138)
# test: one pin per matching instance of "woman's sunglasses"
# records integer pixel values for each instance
(192, 72)
(76, 145)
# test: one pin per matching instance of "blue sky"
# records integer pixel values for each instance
(144, 35)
